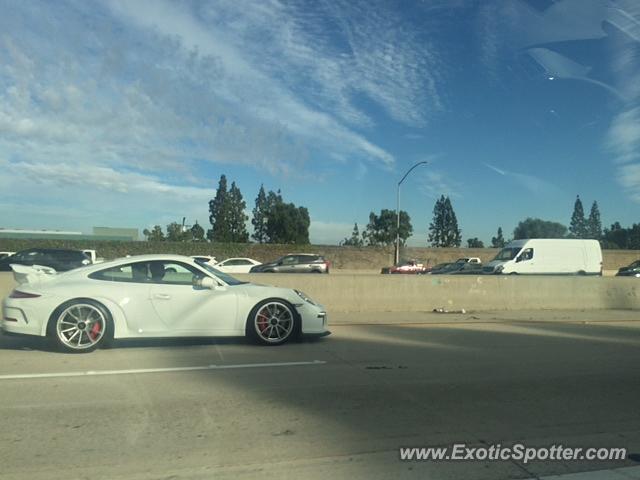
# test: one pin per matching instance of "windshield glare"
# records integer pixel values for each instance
(507, 254)
(225, 277)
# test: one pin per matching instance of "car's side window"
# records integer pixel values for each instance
(527, 254)
(173, 273)
(131, 272)
(290, 260)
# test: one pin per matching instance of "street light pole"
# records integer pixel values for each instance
(397, 257)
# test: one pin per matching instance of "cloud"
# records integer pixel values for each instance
(532, 183)
(623, 141)
(244, 79)
(434, 183)
(623, 137)
(629, 178)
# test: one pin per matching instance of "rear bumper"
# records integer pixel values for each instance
(15, 320)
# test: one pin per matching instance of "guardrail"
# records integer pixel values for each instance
(408, 293)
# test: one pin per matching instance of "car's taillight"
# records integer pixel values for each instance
(19, 294)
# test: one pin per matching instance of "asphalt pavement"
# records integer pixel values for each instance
(337, 407)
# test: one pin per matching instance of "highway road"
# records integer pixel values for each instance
(338, 407)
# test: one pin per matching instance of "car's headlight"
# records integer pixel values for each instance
(305, 297)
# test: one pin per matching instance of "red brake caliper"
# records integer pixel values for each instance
(95, 330)
(263, 322)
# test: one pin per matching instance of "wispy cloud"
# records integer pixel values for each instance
(623, 141)
(532, 183)
(434, 183)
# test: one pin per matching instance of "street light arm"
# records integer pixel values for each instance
(409, 171)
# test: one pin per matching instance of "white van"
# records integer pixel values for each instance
(548, 256)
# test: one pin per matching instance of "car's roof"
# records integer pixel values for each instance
(135, 258)
(311, 254)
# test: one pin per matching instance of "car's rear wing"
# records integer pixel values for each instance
(32, 273)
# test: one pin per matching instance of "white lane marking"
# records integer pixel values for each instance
(156, 370)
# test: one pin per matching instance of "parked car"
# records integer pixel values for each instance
(153, 296)
(406, 267)
(6, 254)
(60, 260)
(632, 270)
(295, 263)
(548, 256)
(236, 265)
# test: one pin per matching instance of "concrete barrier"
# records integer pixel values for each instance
(391, 293)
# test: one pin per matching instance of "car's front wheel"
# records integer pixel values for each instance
(272, 322)
(80, 325)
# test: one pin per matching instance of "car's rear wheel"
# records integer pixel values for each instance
(80, 325)
(272, 322)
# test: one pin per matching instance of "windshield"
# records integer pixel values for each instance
(507, 254)
(333, 159)
(225, 277)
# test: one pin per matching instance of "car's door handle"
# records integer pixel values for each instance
(161, 296)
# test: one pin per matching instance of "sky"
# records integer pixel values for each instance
(125, 113)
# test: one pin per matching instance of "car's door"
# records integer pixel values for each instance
(302, 264)
(242, 265)
(287, 264)
(525, 261)
(128, 287)
(233, 265)
(187, 309)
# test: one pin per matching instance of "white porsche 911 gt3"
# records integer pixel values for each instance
(153, 296)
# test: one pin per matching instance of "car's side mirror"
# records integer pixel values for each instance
(205, 282)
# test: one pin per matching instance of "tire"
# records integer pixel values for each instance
(94, 319)
(513, 273)
(272, 322)
(582, 273)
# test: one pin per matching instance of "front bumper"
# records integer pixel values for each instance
(314, 319)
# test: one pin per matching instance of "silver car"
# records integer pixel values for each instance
(295, 263)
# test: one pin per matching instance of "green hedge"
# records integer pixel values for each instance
(339, 256)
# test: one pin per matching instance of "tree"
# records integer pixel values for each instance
(236, 217)
(259, 220)
(498, 241)
(355, 240)
(537, 228)
(219, 213)
(622, 238)
(155, 234)
(594, 225)
(381, 229)
(175, 233)
(197, 233)
(443, 230)
(287, 223)
(577, 227)
(475, 243)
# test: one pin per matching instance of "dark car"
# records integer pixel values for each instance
(60, 260)
(457, 268)
(294, 263)
(632, 270)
